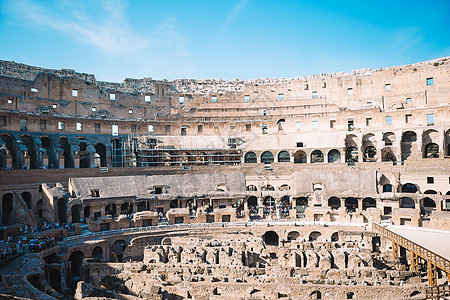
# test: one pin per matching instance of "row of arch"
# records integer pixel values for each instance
(272, 238)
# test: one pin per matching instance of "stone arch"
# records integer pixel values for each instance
(62, 210)
(406, 145)
(117, 249)
(67, 152)
(75, 267)
(431, 192)
(100, 149)
(334, 156)
(314, 236)
(351, 204)
(126, 208)
(267, 187)
(97, 253)
(334, 202)
(28, 199)
(300, 157)
(317, 156)
(32, 152)
(252, 202)
(409, 188)
(14, 150)
(284, 156)
(7, 208)
(267, 157)
(427, 202)
(447, 143)
(111, 209)
(368, 202)
(301, 204)
(370, 154)
(271, 238)
(252, 188)
(76, 213)
(250, 158)
(387, 154)
(315, 295)
(407, 202)
(269, 201)
(431, 150)
(142, 206)
(351, 154)
(335, 237)
(388, 138)
(285, 187)
(47, 144)
(293, 235)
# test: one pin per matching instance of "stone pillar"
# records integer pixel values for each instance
(441, 143)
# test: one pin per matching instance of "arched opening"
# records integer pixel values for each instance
(351, 204)
(351, 154)
(314, 236)
(408, 138)
(55, 279)
(267, 187)
(387, 188)
(284, 187)
(267, 157)
(271, 238)
(100, 149)
(315, 295)
(250, 158)
(370, 154)
(334, 156)
(368, 203)
(431, 151)
(111, 209)
(142, 206)
(117, 250)
(87, 212)
(76, 213)
(406, 202)
(301, 204)
(173, 203)
(428, 205)
(388, 138)
(284, 156)
(430, 192)
(317, 156)
(31, 146)
(280, 124)
(97, 253)
(75, 268)
(409, 188)
(252, 202)
(62, 210)
(68, 156)
(26, 196)
(269, 201)
(387, 154)
(126, 208)
(335, 237)
(334, 203)
(252, 188)
(293, 235)
(7, 208)
(47, 144)
(300, 157)
(84, 156)
(13, 149)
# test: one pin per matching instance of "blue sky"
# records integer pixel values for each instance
(244, 39)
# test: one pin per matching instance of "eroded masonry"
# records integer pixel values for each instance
(271, 188)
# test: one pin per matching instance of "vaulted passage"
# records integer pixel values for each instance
(7, 208)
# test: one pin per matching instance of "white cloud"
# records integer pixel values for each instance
(235, 12)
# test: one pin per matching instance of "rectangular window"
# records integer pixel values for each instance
(74, 93)
(150, 128)
(55, 105)
(368, 121)
(430, 81)
(324, 84)
(314, 95)
(112, 96)
(181, 99)
(10, 101)
(148, 98)
(200, 128)
(130, 111)
(281, 97)
(167, 128)
(299, 144)
(79, 126)
(247, 98)
(298, 125)
(408, 118)
(214, 99)
(216, 128)
(388, 120)
(183, 130)
(369, 104)
(133, 128)
(430, 119)
(61, 125)
(232, 127)
(2, 120)
(94, 109)
(315, 124)
(265, 129)
(115, 130)
(306, 86)
(332, 123)
(387, 87)
(351, 125)
(248, 127)
(232, 143)
(34, 90)
(430, 180)
(350, 91)
(97, 127)
(408, 100)
(264, 113)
